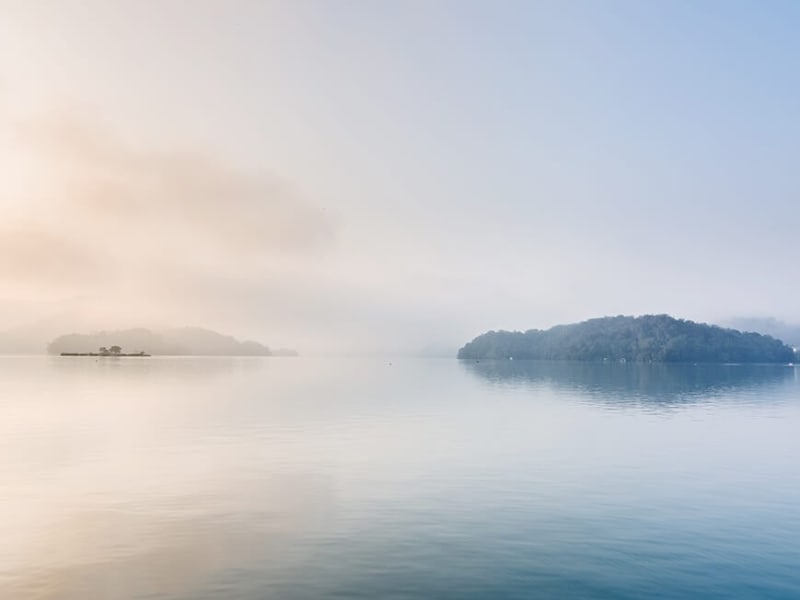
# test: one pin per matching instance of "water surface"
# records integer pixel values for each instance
(254, 478)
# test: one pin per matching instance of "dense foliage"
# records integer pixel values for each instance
(651, 338)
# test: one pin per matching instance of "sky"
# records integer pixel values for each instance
(393, 177)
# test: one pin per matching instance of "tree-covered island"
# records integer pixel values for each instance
(649, 338)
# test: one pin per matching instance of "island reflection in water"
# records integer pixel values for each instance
(628, 384)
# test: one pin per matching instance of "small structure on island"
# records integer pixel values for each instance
(113, 351)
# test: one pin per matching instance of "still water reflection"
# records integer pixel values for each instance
(178, 478)
(623, 384)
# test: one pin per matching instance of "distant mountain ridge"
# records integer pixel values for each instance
(649, 338)
(179, 341)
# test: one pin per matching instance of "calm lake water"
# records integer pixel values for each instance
(252, 478)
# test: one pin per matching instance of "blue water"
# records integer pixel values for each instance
(198, 478)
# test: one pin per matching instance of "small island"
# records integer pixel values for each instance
(649, 338)
(181, 341)
(113, 351)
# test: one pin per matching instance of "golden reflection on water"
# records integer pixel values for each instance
(163, 548)
(116, 484)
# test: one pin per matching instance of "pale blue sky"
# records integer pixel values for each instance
(475, 165)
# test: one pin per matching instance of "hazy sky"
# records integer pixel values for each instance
(389, 175)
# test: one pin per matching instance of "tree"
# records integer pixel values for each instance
(115, 349)
(103, 350)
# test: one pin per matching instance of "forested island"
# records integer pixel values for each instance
(178, 341)
(649, 338)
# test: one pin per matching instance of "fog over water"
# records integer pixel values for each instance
(392, 178)
(374, 184)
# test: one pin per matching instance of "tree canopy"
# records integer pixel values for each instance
(650, 338)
